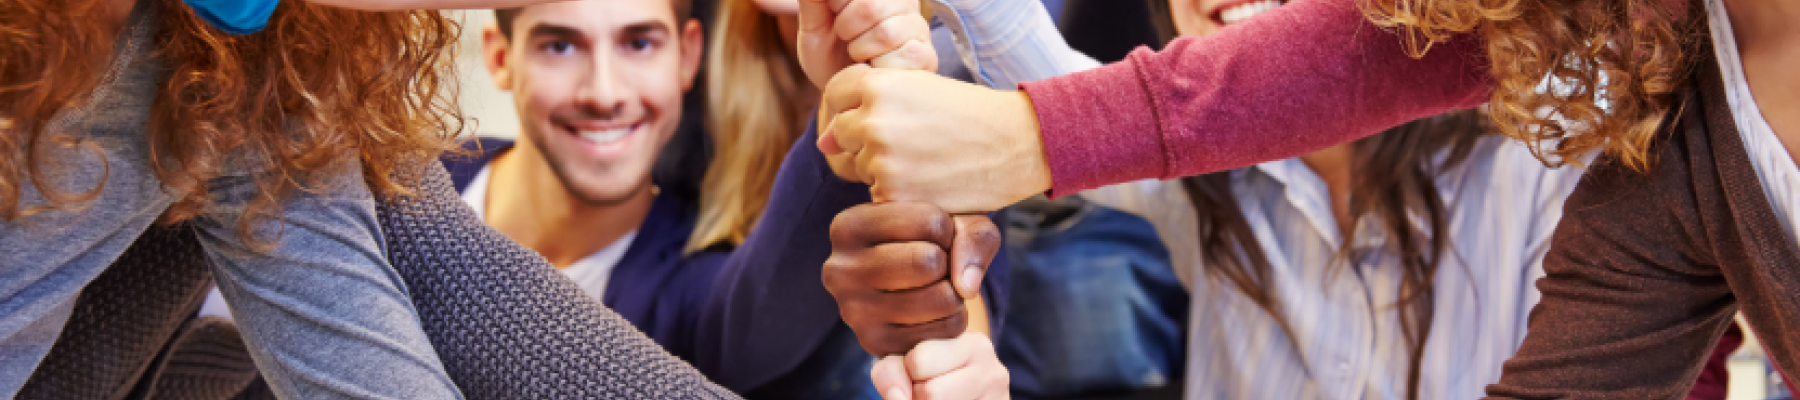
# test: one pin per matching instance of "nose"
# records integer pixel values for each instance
(604, 91)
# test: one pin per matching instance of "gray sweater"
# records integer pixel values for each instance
(324, 314)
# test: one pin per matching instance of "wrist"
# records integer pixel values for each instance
(1027, 134)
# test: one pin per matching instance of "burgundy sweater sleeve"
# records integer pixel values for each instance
(1304, 77)
(1715, 377)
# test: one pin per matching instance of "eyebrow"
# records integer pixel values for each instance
(553, 31)
(646, 27)
(639, 28)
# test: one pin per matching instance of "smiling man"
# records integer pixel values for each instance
(598, 87)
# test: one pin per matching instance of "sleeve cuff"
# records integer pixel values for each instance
(1099, 127)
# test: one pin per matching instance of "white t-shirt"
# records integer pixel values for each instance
(1774, 167)
(591, 272)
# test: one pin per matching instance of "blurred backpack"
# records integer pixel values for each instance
(1097, 308)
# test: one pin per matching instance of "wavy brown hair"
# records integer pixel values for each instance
(1573, 75)
(1394, 185)
(318, 84)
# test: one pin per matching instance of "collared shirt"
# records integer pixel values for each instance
(591, 272)
(1503, 205)
(1774, 167)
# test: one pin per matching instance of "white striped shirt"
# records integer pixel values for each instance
(1774, 166)
(1503, 205)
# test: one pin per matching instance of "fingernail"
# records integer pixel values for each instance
(896, 394)
(971, 279)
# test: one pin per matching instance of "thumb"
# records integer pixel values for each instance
(890, 377)
(972, 250)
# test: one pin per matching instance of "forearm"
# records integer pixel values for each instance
(978, 316)
(506, 323)
(1303, 77)
(768, 310)
(322, 312)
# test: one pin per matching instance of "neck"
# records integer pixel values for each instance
(1769, 44)
(1333, 166)
(528, 203)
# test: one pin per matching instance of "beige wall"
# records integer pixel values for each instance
(489, 109)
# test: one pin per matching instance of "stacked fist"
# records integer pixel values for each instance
(906, 276)
(903, 274)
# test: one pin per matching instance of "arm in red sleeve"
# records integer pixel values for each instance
(1304, 77)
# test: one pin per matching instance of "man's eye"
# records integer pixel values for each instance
(642, 44)
(559, 47)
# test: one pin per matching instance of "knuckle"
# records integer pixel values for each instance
(883, 169)
(983, 231)
(925, 259)
(892, 33)
(835, 274)
(938, 224)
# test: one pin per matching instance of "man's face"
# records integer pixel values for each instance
(598, 85)
(1205, 17)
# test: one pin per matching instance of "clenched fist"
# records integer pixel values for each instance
(902, 271)
(883, 33)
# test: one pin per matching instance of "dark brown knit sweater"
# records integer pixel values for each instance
(1647, 269)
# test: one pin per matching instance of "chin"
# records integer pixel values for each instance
(611, 193)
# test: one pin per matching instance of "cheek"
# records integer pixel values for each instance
(1191, 18)
(664, 97)
(544, 88)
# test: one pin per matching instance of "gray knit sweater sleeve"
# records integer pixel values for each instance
(506, 324)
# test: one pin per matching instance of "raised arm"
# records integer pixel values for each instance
(769, 312)
(1303, 77)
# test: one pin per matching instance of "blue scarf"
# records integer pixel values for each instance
(240, 17)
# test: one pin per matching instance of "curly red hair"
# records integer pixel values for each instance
(1573, 75)
(318, 84)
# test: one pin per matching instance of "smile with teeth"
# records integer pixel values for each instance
(605, 136)
(1243, 12)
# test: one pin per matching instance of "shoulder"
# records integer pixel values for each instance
(474, 155)
(1651, 212)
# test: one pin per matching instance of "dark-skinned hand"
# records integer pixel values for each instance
(902, 271)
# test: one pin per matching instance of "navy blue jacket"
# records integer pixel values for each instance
(755, 319)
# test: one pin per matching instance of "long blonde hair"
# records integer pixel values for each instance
(318, 84)
(753, 115)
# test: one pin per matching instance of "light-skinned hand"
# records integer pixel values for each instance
(965, 368)
(916, 136)
(884, 33)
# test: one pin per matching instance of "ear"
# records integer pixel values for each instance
(495, 47)
(693, 48)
